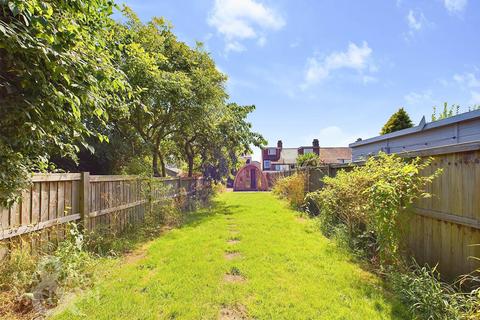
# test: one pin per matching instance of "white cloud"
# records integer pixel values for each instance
(234, 46)
(469, 82)
(262, 41)
(475, 98)
(467, 79)
(355, 57)
(334, 136)
(243, 19)
(295, 43)
(416, 21)
(455, 6)
(369, 79)
(423, 98)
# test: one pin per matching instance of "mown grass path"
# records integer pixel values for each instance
(248, 257)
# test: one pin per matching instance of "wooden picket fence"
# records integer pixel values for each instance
(94, 201)
(443, 230)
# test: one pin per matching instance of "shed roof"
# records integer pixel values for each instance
(423, 126)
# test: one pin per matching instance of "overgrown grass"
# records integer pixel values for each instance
(31, 284)
(289, 271)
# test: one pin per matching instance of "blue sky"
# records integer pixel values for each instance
(334, 70)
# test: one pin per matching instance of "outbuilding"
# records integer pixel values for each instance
(250, 178)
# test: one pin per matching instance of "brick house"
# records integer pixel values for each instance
(279, 158)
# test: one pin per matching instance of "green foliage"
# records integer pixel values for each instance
(447, 112)
(309, 160)
(75, 85)
(398, 121)
(451, 111)
(427, 296)
(371, 201)
(56, 72)
(37, 282)
(292, 189)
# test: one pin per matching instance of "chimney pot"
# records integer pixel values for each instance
(279, 144)
(315, 143)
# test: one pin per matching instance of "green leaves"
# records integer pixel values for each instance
(372, 199)
(55, 75)
(398, 121)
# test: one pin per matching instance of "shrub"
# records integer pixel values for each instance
(309, 160)
(370, 201)
(292, 189)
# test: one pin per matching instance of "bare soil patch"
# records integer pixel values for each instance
(233, 241)
(232, 255)
(234, 278)
(237, 312)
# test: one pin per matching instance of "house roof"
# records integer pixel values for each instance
(334, 154)
(287, 156)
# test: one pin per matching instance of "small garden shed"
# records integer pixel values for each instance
(250, 178)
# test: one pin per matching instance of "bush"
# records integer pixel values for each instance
(370, 201)
(309, 160)
(292, 189)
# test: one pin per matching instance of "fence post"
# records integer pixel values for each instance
(150, 196)
(308, 179)
(84, 199)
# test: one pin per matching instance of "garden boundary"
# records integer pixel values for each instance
(443, 230)
(93, 201)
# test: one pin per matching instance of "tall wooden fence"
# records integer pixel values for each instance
(95, 201)
(444, 230)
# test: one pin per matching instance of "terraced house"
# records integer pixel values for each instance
(279, 158)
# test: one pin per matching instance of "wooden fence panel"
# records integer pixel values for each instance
(98, 202)
(443, 230)
(451, 217)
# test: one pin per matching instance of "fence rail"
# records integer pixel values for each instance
(443, 229)
(55, 199)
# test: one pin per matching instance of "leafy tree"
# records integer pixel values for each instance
(56, 71)
(231, 138)
(398, 121)
(158, 66)
(309, 160)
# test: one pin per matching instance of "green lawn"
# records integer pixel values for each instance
(284, 269)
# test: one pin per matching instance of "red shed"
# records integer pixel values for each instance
(250, 178)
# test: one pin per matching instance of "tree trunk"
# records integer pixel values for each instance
(162, 165)
(189, 154)
(190, 166)
(155, 164)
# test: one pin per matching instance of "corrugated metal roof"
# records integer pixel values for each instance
(421, 127)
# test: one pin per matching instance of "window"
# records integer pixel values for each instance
(307, 150)
(266, 165)
(272, 151)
